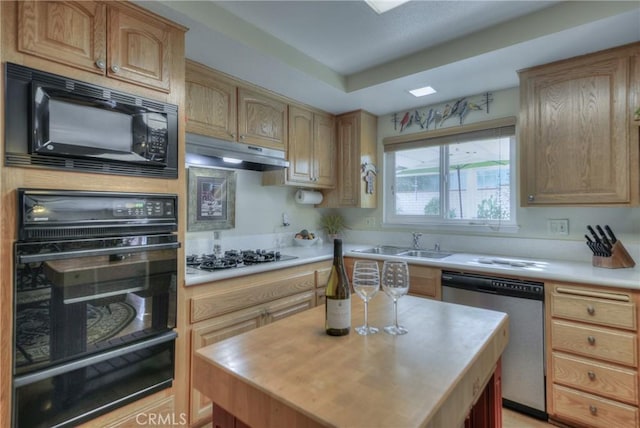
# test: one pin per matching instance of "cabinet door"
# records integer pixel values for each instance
(322, 278)
(424, 282)
(215, 330)
(262, 120)
(348, 160)
(300, 151)
(324, 144)
(69, 32)
(574, 131)
(288, 306)
(139, 48)
(211, 103)
(356, 146)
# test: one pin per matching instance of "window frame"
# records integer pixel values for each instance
(440, 138)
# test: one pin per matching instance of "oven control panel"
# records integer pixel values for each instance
(80, 214)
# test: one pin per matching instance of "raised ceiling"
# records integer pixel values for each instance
(341, 56)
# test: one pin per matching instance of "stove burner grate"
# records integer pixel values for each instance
(233, 258)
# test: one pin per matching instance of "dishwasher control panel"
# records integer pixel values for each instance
(495, 285)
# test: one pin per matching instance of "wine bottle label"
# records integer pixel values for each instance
(338, 313)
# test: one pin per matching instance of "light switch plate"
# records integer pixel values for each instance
(558, 226)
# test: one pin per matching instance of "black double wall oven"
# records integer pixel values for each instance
(94, 303)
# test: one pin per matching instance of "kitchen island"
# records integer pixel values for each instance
(290, 373)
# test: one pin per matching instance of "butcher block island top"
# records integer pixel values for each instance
(290, 373)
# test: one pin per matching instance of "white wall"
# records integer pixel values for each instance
(532, 238)
(258, 223)
(259, 214)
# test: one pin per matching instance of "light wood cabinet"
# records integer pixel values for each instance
(322, 278)
(424, 281)
(592, 355)
(356, 141)
(220, 106)
(112, 39)
(211, 103)
(311, 151)
(262, 119)
(579, 141)
(229, 307)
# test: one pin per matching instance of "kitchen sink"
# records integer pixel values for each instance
(427, 254)
(383, 249)
(390, 250)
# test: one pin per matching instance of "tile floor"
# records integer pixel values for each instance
(511, 419)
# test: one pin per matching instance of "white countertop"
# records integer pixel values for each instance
(558, 270)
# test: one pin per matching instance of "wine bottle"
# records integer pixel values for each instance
(338, 293)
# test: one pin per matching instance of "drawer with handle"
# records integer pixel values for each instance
(592, 411)
(606, 344)
(610, 309)
(595, 377)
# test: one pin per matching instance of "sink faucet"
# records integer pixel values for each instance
(437, 247)
(416, 240)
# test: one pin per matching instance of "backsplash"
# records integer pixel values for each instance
(258, 223)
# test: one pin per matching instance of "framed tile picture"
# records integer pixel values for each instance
(211, 199)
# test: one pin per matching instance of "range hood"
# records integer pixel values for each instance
(201, 150)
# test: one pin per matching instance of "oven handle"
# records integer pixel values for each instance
(100, 252)
(28, 379)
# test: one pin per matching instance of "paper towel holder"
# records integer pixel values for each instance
(308, 197)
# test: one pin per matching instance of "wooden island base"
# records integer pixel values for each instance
(444, 373)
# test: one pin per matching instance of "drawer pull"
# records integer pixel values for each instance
(593, 409)
(592, 375)
(591, 340)
(591, 310)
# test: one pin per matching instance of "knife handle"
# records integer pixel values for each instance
(603, 237)
(593, 233)
(611, 235)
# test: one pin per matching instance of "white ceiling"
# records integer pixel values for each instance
(341, 56)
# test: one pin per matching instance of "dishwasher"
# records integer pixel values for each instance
(523, 361)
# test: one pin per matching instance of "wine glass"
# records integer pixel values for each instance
(395, 283)
(366, 283)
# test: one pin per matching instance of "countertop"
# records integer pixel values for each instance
(292, 372)
(547, 270)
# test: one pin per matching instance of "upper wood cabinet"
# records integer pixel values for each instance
(579, 142)
(211, 103)
(114, 39)
(356, 152)
(262, 119)
(311, 151)
(222, 107)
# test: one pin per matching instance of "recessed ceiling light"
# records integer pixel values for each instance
(382, 6)
(421, 92)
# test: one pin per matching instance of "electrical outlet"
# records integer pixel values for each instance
(370, 221)
(558, 226)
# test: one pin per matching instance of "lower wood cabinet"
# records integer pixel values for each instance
(424, 281)
(592, 355)
(227, 308)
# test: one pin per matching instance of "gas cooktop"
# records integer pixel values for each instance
(234, 259)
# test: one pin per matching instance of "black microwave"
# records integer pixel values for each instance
(56, 122)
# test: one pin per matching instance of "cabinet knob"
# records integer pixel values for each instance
(100, 64)
(593, 409)
(591, 340)
(591, 310)
(242, 137)
(233, 135)
(531, 198)
(592, 375)
(115, 68)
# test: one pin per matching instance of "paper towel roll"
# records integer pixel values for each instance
(308, 197)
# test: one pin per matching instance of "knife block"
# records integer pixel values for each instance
(620, 258)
